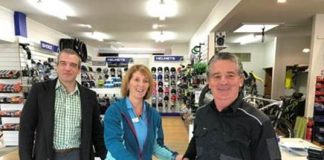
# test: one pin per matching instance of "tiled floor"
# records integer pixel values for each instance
(175, 133)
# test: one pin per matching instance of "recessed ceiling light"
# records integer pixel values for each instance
(306, 50)
(85, 25)
(155, 26)
(162, 36)
(97, 35)
(246, 39)
(162, 8)
(255, 28)
(281, 1)
(55, 8)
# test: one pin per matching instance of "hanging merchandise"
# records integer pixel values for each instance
(160, 69)
(112, 72)
(153, 69)
(160, 84)
(75, 44)
(166, 70)
(160, 77)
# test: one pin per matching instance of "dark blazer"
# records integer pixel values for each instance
(37, 124)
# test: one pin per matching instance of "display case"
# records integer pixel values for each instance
(318, 129)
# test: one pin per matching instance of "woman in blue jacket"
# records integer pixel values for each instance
(133, 129)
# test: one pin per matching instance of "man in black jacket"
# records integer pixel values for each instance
(228, 128)
(60, 119)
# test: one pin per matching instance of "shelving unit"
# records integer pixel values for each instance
(318, 129)
(11, 96)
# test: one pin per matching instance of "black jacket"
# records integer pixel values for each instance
(240, 132)
(37, 124)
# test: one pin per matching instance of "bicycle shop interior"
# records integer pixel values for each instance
(279, 42)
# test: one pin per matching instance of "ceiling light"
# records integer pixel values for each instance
(85, 25)
(162, 36)
(97, 35)
(281, 1)
(55, 8)
(162, 8)
(251, 38)
(155, 26)
(255, 28)
(306, 50)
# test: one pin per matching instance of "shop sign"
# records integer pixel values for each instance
(168, 58)
(119, 60)
(49, 47)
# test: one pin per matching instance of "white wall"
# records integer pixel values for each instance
(270, 52)
(7, 27)
(260, 52)
(221, 9)
(288, 53)
(180, 49)
(37, 32)
(316, 61)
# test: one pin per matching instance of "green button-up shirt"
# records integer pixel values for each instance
(67, 124)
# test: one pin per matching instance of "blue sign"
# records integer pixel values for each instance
(118, 60)
(48, 46)
(168, 58)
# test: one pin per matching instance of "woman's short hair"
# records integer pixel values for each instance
(128, 76)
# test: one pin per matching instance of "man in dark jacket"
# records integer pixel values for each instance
(60, 119)
(228, 128)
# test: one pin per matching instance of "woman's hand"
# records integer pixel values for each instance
(179, 157)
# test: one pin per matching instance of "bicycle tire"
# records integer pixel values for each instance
(284, 128)
(205, 96)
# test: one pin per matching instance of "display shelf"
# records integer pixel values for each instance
(11, 96)
(319, 111)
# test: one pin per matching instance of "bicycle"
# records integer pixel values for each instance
(274, 109)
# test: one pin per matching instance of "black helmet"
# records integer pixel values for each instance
(160, 83)
(173, 91)
(159, 69)
(153, 69)
(173, 69)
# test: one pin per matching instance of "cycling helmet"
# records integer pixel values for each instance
(160, 83)
(173, 69)
(99, 70)
(160, 77)
(160, 90)
(166, 69)
(173, 91)
(105, 70)
(159, 69)
(153, 69)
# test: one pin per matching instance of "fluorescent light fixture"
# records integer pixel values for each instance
(281, 1)
(135, 55)
(251, 38)
(162, 8)
(155, 26)
(255, 28)
(162, 36)
(85, 25)
(97, 35)
(306, 50)
(55, 8)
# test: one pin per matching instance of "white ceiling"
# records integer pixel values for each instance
(127, 22)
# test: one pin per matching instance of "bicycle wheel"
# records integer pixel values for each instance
(205, 96)
(284, 128)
